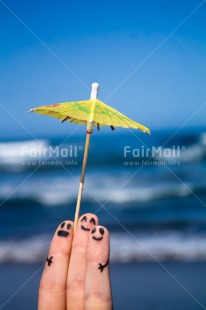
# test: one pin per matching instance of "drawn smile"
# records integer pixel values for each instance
(97, 239)
(84, 228)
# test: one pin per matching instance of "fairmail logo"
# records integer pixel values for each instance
(153, 152)
(51, 151)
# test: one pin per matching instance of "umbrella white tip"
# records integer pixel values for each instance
(31, 110)
(95, 86)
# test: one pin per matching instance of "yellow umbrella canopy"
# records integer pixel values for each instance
(81, 112)
(91, 113)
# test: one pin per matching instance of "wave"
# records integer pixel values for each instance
(13, 153)
(194, 152)
(135, 246)
(54, 191)
(27, 250)
(161, 246)
(23, 155)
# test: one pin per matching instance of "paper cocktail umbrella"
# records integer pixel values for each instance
(91, 113)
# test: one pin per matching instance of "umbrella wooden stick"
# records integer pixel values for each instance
(90, 125)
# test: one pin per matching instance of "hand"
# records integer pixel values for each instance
(76, 272)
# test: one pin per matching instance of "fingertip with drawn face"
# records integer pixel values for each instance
(98, 288)
(54, 279)
(97, 234)
(78, 261)
(65, 229)
(85, 224)
(87, 221)
(62, 240)
(99, 244)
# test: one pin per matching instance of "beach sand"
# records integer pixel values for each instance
(143, 286)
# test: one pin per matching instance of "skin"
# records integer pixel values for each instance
(74, 279)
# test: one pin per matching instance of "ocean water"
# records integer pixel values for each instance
(150, 191)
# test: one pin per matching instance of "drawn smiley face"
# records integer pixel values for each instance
(87, 221)
(98, 237)
(64, 233)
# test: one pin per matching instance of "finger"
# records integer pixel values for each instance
(97, 284)
(52, 290)
(77, 266)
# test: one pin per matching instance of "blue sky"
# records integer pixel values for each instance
(148, 56)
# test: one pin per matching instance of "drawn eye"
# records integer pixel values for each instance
(84, 219)
(101, 230)
(92, 220)
(93, 230)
